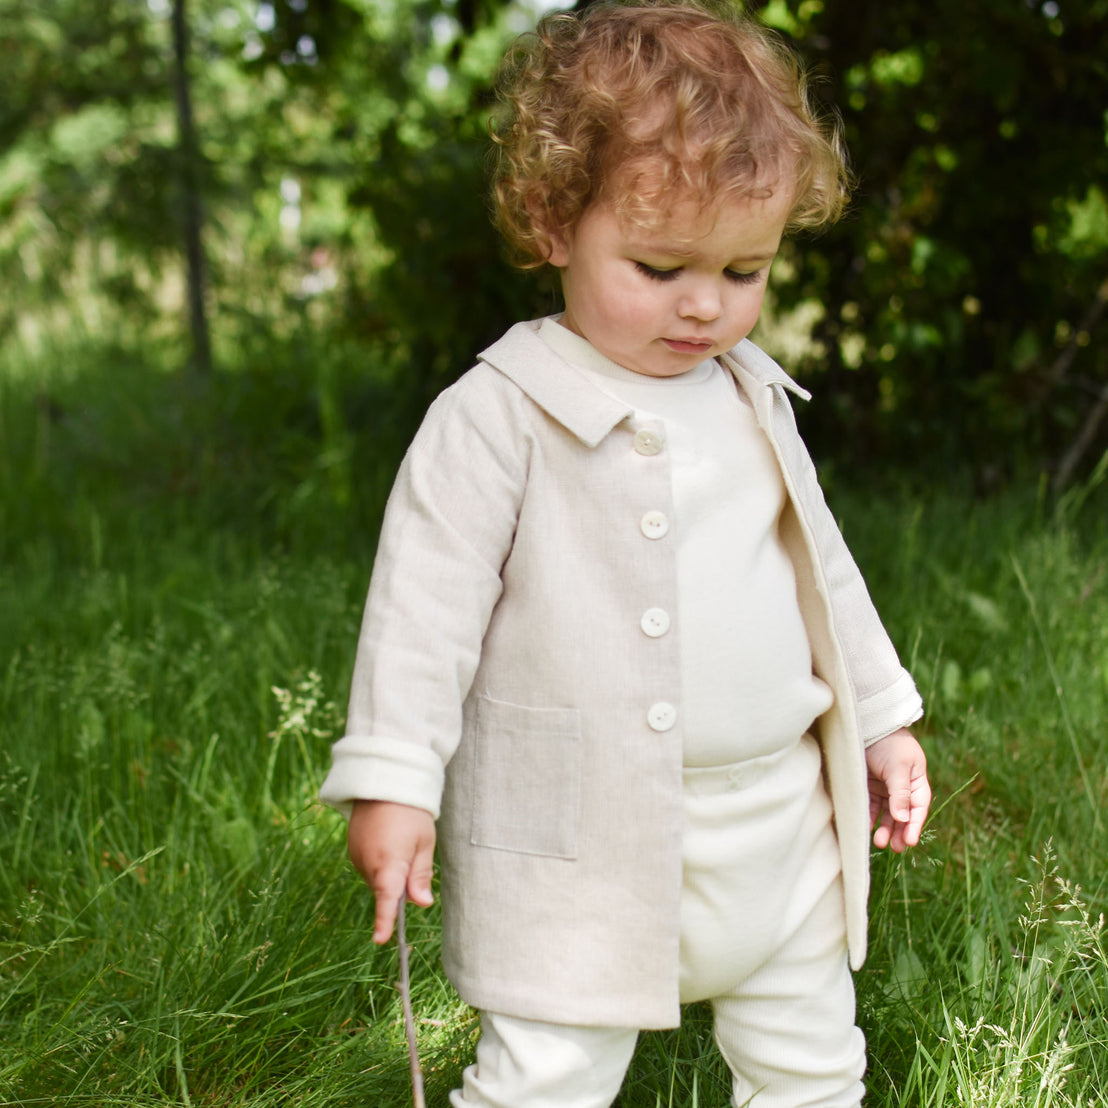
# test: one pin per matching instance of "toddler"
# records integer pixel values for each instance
(616, 656)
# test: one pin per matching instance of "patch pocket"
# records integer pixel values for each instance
(527, 778)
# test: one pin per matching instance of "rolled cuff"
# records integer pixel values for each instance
(895, 706)
(376, 768)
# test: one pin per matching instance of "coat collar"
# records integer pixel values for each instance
(589, 412)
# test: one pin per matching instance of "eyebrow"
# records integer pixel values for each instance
(669, 249)
(675, 250)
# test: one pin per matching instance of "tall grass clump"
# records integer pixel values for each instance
(181, 582)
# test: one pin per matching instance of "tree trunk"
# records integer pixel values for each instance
(190, 188)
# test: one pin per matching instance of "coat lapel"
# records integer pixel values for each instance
(554, 385)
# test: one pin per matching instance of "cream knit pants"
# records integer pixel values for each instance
(762, 939)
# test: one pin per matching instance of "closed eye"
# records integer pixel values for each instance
(657, 274)
(740, 278)
(751, 278)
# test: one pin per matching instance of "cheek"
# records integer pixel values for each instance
(623, 304)
(749, 306)
(649, 300)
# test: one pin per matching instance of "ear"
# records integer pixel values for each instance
(558, 255)
(559, 250)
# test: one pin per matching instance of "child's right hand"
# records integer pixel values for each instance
(392, 846)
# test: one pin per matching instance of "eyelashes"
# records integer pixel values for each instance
(656, 274)
(744, 278)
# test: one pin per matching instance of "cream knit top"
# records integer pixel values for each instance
(748, 686)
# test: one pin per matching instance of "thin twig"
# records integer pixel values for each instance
(409, 1018)
(1056, 375)
(1062, 363)
(1086, 436)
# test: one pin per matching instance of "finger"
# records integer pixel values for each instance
(898, 786)
(882, 836)
(419, 878)
(876, 806)
(388, 885)
(921, 802)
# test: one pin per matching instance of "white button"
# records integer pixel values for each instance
(655, 622)
(654, 525)
(661, 716)
(647, 442)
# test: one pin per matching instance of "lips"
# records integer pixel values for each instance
(689, 346)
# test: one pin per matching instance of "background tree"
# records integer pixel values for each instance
(960, 297)
(953, 315)
(190, 192)
(83, 153)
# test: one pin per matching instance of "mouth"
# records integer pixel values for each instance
(689, 346)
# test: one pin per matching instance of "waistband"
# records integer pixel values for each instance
(732, 776)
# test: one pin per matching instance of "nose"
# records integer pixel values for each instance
(700, 300)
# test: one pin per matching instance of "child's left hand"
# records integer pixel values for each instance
(899, 794)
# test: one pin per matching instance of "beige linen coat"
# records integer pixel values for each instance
(504, 682)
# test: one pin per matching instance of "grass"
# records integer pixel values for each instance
(181, 581)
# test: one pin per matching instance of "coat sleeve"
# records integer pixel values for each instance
(885, 694)
(447, 530)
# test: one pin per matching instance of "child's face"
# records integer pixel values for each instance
(661, 299)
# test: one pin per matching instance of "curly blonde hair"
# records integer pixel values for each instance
(631, 103)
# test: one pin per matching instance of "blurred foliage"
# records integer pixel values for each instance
(960, 298)
(955, 315)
